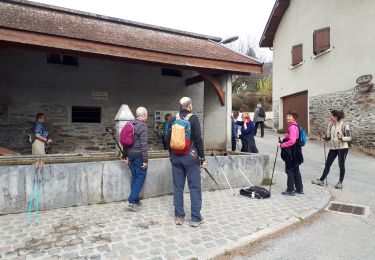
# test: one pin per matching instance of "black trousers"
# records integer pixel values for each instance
(234, 144)
(261, 123)
(294, 178)
(332, 154)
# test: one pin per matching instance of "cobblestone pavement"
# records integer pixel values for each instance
(111, 231)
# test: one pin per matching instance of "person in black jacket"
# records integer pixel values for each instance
(187, 166)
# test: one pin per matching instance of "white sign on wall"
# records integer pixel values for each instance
(99, 95)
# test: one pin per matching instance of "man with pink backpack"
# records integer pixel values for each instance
(133, 137)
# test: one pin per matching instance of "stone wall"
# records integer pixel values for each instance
(28, 85)
(359, 111)
(72, 184)
(276, 113)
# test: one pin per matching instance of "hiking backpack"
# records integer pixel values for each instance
(256, 192)
(302, 137)
(180, 135)
(127, 135)
(347, 133)
(30, 136)
(261, 112)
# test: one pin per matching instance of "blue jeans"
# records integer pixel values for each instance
(186, 166)
(138, 178)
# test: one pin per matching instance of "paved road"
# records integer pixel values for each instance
(332, 235)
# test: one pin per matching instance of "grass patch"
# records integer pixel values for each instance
(102, 202)
(280, 131)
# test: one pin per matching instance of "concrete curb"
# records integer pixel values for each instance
(321, 205)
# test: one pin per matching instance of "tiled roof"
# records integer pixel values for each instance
(56, 21)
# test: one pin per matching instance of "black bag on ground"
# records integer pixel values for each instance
(256, 192)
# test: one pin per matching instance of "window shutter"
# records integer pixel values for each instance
(321, 40)
(297, 54)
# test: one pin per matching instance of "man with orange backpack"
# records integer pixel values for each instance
(187, 155)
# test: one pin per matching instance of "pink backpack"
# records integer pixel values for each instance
(127, 135)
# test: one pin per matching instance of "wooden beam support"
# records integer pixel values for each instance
(216, 85)
(194, 80)
(126, 53)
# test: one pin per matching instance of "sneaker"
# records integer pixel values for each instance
(196, 224)
(288, 193)
(179, 220)
(133, 207)
(300, 192)
(339, 185)
(318, 182)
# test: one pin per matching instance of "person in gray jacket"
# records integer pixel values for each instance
(138, 158)
(259, 118)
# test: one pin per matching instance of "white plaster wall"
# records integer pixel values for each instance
(217, 117)
(352, 36)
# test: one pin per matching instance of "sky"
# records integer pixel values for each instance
(245, 18)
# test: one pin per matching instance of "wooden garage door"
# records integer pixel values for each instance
(297, 102)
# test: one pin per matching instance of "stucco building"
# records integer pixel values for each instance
(323, 58)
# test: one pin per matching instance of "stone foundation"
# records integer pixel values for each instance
(72, 184)
(359, 111)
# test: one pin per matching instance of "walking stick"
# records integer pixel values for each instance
(235, 163)
(110, 131)
(325, 158)
(274, 164)
(222, 171)
(209, 174)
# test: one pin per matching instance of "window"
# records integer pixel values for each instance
(56, 58)
(171, 72)
(70, 60)
(297, 54)
(86, 114)
(321, 40)
(53, 58)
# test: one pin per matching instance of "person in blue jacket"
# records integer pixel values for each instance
(247, 134)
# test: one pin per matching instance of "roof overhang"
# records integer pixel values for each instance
(24, 23)
(274, 20)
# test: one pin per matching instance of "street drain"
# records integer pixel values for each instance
(347, 208)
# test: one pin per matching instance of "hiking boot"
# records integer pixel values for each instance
(339, 185)
(179, 220)
(133, 207)
(196, 224)
(318, 182)
(288, 193)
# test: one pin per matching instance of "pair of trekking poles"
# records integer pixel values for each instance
(37, 189)
(219, 167)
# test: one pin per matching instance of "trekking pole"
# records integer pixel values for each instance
(32, 193)
(235, 163)
(274, 164)
(338, 157)
(209, 174)
(38, 192)
(325, 157)
(222, 171)
(110, 130)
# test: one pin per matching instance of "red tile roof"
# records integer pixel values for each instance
(56, 21)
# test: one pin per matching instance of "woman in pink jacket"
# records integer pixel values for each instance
(291, 153)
